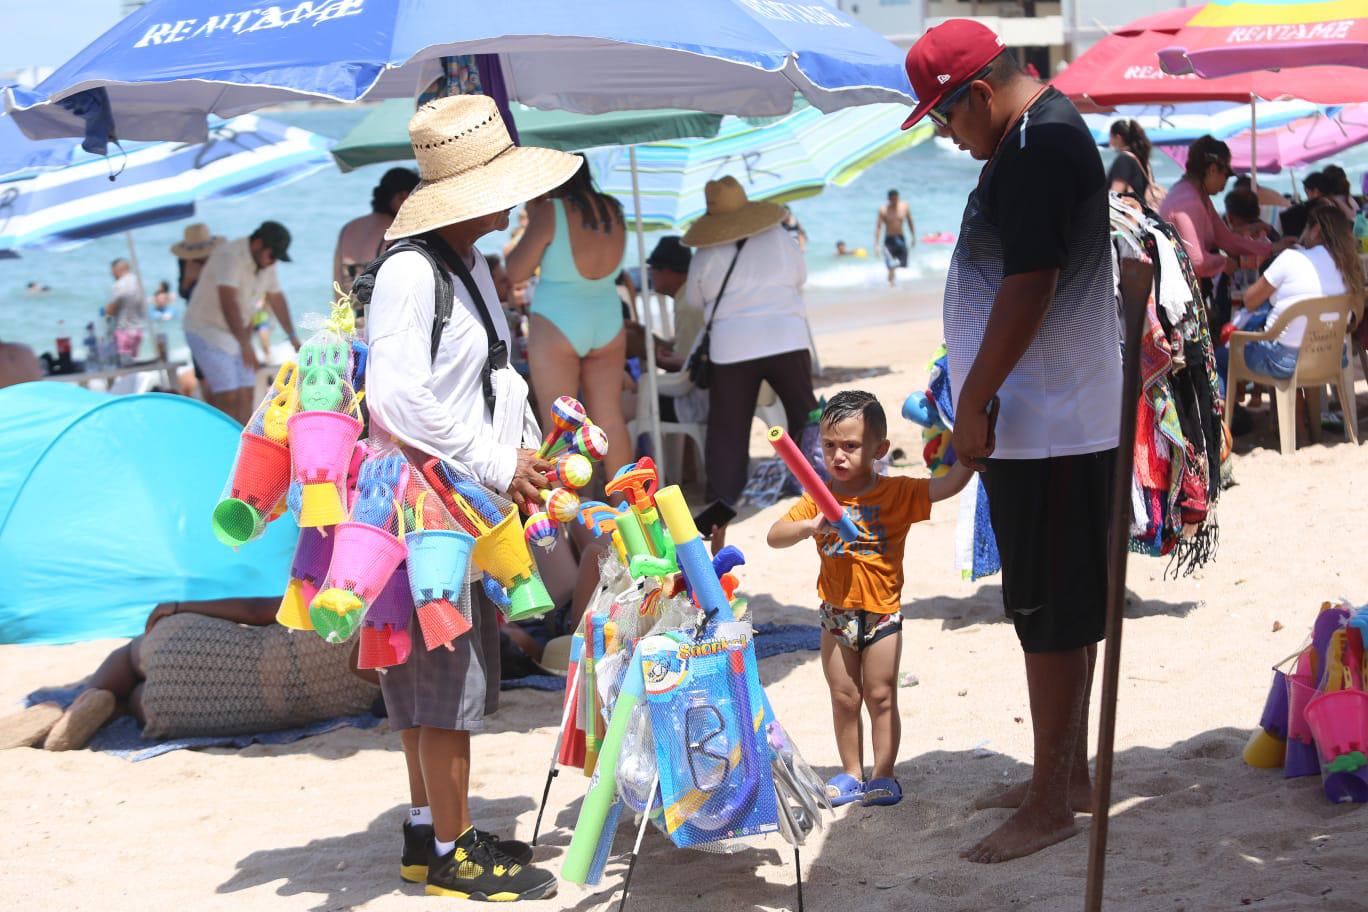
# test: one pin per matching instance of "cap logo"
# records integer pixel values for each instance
(943, 78)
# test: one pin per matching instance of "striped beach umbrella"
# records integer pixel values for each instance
(778, 160)
(152, 182)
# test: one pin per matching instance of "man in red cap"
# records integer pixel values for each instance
(1035, 368)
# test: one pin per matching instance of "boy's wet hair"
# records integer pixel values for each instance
(857, 404)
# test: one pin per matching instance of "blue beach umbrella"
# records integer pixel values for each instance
(787, 159)
(154, 183)
(168, 65)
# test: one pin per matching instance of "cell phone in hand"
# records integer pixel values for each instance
(714, 514)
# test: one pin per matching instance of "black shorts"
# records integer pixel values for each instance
(1050, 518)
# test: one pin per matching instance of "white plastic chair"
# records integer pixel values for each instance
(1320, 362)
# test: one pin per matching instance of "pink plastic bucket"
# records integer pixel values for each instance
(363, 559)
(1301, 690)
(321, 445)
(1339, 722)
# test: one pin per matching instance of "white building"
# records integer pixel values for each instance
(1044, 33)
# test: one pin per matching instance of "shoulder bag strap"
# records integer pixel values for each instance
(498, 349)
(726, 278)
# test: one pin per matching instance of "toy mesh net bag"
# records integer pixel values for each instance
(259, 481)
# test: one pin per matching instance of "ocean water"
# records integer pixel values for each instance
(933, 177)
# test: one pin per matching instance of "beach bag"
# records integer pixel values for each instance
(700, 365)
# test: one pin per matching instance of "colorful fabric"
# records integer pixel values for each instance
(858, 630)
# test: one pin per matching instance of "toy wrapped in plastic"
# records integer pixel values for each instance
(1338, 715)
(325, 428)
(367, 548)
(439, 550)
(500, 550)
(256, 490)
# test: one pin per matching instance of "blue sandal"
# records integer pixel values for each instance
(882, 792)
(843, 789)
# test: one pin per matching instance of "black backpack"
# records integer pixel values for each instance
(441, 258)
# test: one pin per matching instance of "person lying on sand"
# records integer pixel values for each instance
(221, 667)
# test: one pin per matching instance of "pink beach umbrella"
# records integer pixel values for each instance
(1293, 144)
(1227, 37)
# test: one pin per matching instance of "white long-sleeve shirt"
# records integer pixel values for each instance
(761, 312)
(436, 405)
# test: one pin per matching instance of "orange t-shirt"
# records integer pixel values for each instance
(868, 573)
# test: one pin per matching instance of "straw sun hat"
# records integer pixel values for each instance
(470, 167)
(196, 244)
(731, 216)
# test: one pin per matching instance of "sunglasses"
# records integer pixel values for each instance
(940, 113)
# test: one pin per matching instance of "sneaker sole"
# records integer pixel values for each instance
(413, 873)
(546, 891)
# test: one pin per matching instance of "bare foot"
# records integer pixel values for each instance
(92, 709)
(28, 726)
(1080, 797)
(1025, 833)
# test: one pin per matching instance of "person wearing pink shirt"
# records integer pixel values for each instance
(1189, 209)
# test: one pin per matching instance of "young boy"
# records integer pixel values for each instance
(860, 585)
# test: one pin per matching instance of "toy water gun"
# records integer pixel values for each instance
(826, 502)
(692, 554)
(600, 519)
(638, 483)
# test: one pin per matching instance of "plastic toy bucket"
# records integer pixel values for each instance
(1339, 722)
(261, 476)
(441, 623)
(321, 444)
(1301, 690)
(312, 554)
(1265, 751)
(393, 606)
(1274, 718)
(437, 563)
(502, 553)
(383, 647)
(1343, 788)
(363, 560)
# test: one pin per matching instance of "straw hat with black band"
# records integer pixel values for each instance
(731, 216)
(470, 167)
(196, 244)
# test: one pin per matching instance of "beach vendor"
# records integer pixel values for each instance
(860, 587)
(218, 318)
(747, 276)
(1033, 338)
(459, 401)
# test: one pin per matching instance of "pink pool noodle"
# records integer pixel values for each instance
(826, 501)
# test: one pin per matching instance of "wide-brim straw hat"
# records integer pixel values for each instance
(731, 216)
(197, 243)
(470, 167)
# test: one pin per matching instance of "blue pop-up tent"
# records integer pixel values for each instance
(104, 512)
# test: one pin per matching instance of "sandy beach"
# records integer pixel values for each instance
(315, 825)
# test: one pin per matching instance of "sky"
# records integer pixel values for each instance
(31, 36)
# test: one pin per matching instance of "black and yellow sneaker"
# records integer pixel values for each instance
(520, 852)
(475, 869)
(413, 864)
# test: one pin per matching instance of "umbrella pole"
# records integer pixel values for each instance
(649, 387)
(133, 261)
(1137, 279)
(1253, 143)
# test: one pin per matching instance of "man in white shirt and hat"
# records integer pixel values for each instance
(444, 387)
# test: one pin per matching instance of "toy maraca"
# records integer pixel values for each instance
(562, 504)
(572, 471)
(540, 530)
(567, 414)
(591, 442)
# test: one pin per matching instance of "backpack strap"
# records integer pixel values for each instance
(364, 286)
(497, 357)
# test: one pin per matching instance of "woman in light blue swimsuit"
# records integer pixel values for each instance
(576, 344)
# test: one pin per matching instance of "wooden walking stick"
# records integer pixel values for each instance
(1137, 280)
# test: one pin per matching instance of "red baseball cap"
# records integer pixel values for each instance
(944, 58)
